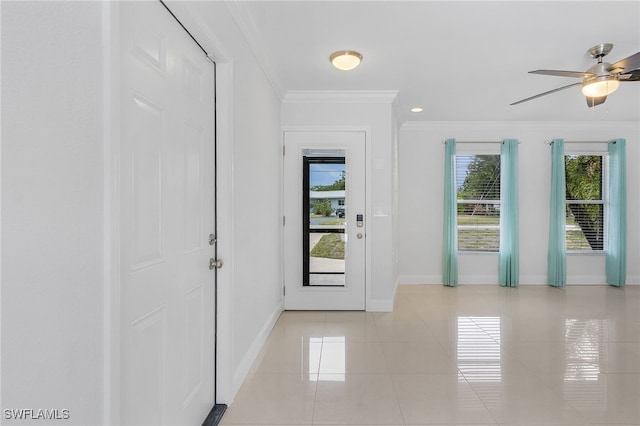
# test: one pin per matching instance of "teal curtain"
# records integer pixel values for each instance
(557, 253)
(450, 229)
(617, 209)
(509, 256)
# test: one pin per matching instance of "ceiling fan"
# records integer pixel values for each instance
(598, 81)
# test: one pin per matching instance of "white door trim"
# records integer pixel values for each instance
(225, 216)
(368, 213)
(111, 187)
(192, 19)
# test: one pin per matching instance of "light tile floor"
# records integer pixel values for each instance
(470, 355)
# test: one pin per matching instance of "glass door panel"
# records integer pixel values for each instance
(324, 220)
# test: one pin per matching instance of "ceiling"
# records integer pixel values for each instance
(458, 60)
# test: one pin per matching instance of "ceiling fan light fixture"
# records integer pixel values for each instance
(345, 60)
(599, 80)
(600, 86)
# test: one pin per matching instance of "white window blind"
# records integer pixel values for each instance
(585, 195)
(478, 198)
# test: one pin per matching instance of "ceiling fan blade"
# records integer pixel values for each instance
(559, 73)
(626, 65)
(591, 102)
(632, 76)
(546, 93)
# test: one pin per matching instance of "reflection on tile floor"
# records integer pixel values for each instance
(470, 355)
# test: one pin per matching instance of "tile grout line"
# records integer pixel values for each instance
(315, 393)
(386, 364)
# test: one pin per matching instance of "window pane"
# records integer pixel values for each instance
(324, 223)
(585, 227)
(583, 177)
(478, 184)
(585, 202)
(478, 177)
(478, 227)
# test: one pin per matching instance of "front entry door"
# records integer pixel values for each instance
(166, 202)
(325, 220)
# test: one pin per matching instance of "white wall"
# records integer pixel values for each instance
(52, 204)
(52, 208)
(317, 110)
(421, 193)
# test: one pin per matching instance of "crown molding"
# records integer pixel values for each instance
(245, 23)
(388, 96)
(531, 125)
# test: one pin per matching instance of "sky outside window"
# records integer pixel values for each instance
(325, 174)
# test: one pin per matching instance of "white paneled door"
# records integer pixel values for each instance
(325, 220)
(166, 202)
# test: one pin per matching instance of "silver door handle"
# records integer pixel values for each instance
(215, 263)
(359, 235)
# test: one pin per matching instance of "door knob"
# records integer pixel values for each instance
(215, 263)
(359, 235)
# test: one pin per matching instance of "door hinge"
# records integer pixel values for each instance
(283, 150)
(284, 290)
(284, 220)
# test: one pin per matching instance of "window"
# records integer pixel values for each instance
(585, 196)
(324, 241)
(478, 195)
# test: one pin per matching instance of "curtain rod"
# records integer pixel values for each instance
(445, 141)
(613, 141)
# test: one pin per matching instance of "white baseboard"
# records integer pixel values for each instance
(524, 280)
(478, 279)
(384, 305)
(419, 279)
(533, 280)
(249, 358)
(380, 305)
(633, 280)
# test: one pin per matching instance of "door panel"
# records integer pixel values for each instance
(144, 382)
(147, 120)
(318, 281)
(167, 195)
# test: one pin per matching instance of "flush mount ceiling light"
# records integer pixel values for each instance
(345, 60)
(416, 109)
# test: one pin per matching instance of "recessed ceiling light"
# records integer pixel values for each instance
(345, 60)
(416, 109)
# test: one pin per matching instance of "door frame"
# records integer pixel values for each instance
(111, 207)
(368, 209)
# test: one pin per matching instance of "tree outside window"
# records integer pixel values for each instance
(478, 183)
(585, 197)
